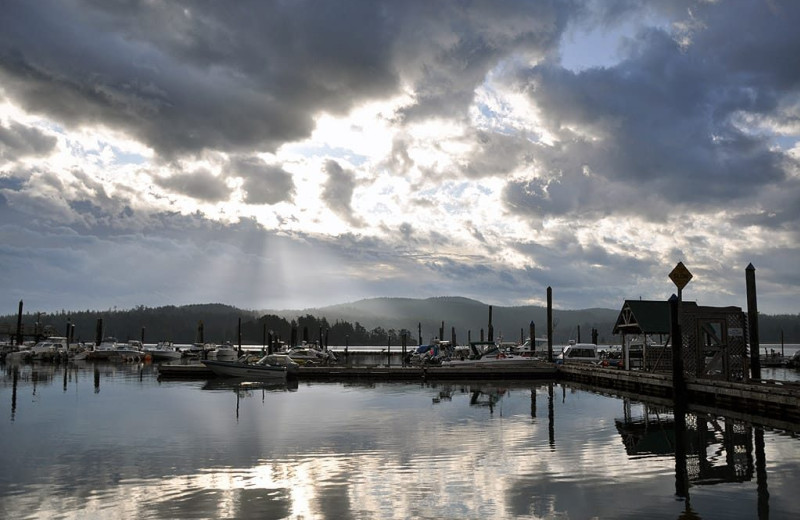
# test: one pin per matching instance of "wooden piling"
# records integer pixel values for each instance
(491, 327)
(19, 325)
(98, 332)
(549, 324)
(678, 380)
(532, 332)
(752, 322)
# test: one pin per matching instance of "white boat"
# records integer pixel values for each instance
(537, 348)
(259, 370)
(163, 351)
(579, 353)
(110, 349)
(488, 354)
(49, 348)
(311, 355)
(292, 367)
(226, 352)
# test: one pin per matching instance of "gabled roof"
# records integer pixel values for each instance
(643, 317)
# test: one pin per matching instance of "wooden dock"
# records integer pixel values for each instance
(775, 399)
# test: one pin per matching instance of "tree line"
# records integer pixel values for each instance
(218, 323)
(210, 323)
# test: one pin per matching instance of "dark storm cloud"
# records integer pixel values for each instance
(263, 183)
(199, 184)
(338, 192)
(184, 76)
(666, 120)
(448, 49)
(18, 140)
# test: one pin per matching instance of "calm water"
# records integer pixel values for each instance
(113, 442)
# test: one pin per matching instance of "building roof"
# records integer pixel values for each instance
(643, 317)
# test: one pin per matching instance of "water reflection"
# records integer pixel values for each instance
(231, 449)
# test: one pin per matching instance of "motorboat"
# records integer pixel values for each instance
(579, 353)
(50, 348)
(110, 349)
(292, 367)
(488, 354)
(163, 351)
(225, 352)
(536, 348)
(433, 354)
(307, 354)
(260, 370)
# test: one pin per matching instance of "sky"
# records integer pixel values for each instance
(297, 154)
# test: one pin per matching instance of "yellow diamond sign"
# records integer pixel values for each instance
(680, 276)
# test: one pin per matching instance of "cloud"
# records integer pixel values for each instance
(263, 183)
(338, 192)
(662, 129)
(200, 184)
(18, 140)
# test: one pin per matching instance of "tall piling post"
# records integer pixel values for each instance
(532, 332)
(491, 327)
(678, 382)
(239, 335)
(98, 332)
(752, 322)
(549, 324)
(419, 332)
(141, 337)
(453, 337)
(19, 325)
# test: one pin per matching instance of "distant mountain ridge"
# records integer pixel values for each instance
(468, 316)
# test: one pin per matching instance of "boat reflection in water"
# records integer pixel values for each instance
(123, 444)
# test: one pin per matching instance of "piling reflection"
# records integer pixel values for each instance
(709, 449)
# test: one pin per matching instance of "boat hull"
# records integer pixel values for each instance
(236, 369)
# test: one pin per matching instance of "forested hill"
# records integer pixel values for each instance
(373, 321)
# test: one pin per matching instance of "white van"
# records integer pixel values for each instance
(579, 353)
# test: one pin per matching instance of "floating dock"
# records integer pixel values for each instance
(775, 399)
